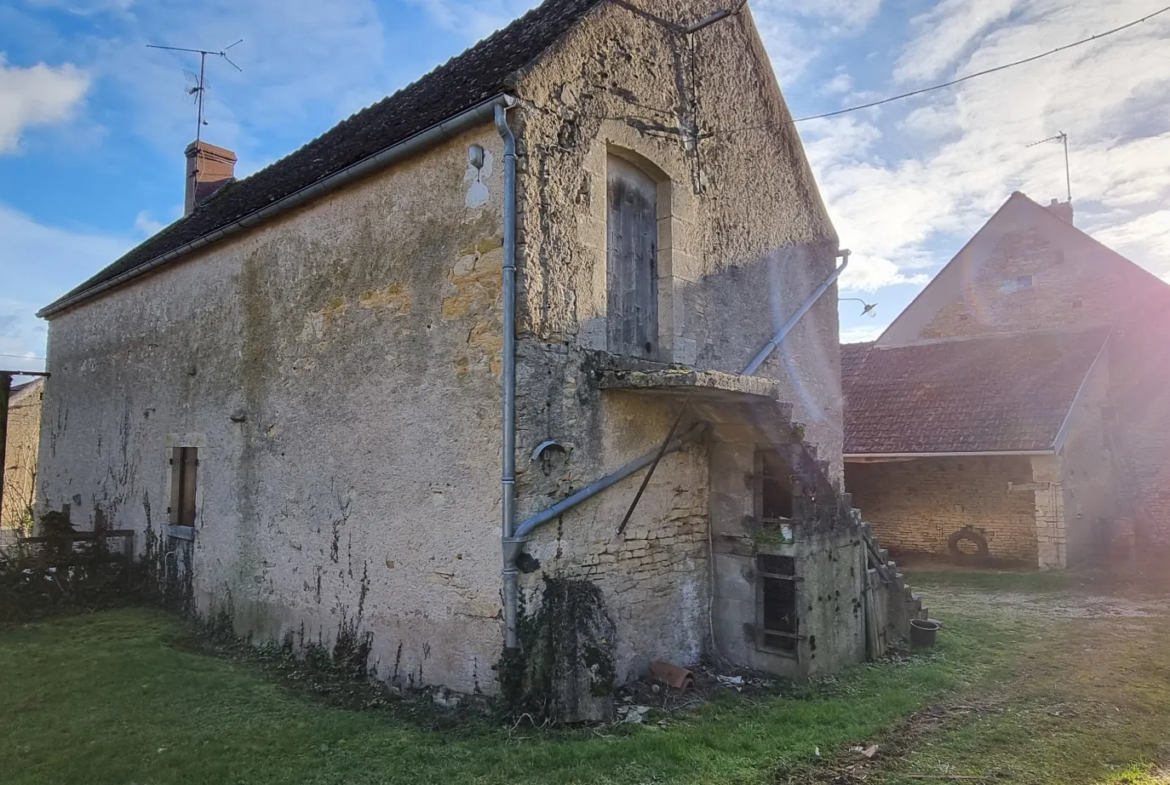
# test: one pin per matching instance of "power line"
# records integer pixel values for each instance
(22, 357)
(961, 79)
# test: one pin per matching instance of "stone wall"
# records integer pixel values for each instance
(20, 455)
(1087, 472)
(1139, 354)
(916, 505)
(743, 239)
(338, 368)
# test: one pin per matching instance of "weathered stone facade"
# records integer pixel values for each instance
(338, 368)
(730, 271)
(20, 455)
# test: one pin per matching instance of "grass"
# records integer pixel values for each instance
(122, 697)
(1087, 700)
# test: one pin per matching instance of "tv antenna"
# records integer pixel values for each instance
(1061, 137)
(197, 85)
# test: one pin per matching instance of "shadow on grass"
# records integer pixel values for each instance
(111, 698)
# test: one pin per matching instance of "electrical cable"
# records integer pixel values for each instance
(960, 79)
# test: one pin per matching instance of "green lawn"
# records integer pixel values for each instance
(122, 697)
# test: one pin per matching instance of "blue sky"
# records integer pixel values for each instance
(93, 124)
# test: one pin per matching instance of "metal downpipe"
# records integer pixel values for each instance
(509, 546)
(782, 333)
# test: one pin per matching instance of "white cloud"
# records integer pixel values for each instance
(37, 95)
(909, 184)
(57, 255)
(1145, 239)
(841, 83)
(870, 273)
(146, 225)
(862, 334)
(794, 31)
(946, 32)
(87, 7)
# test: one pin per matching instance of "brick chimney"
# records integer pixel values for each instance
(209, 168)
(1062, 210)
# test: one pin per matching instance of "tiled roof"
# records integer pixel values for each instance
(477, 75)
(994, 394)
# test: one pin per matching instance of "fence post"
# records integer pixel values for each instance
(5, 392)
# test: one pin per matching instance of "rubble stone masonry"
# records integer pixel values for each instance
(916, 505)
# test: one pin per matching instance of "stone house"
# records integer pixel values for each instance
(403, 386)
(1019, 403)
(22, 439)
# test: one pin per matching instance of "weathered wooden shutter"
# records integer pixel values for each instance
(176, 485)
(632, 261)
(190, 472)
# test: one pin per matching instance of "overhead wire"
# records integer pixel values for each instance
(959, 80)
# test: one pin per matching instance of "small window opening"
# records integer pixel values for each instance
(184, 477)
(1023, 282)
(779, 621)
(775, 488)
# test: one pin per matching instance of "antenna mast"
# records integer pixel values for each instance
(198, 90)
(1061, 137)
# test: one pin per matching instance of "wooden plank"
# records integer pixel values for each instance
(632, 260)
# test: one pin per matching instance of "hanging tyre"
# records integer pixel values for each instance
(968, 535)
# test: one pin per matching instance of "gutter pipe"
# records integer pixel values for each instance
(779, 337)
(512, 539)
(509, 546)
(480, 113)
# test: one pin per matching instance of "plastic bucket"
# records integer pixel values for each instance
(923, 633)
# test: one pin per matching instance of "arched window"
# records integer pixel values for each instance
(632, 260)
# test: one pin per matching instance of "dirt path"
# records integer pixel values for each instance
(1086, 699)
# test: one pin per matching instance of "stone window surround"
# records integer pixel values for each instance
(678, 264)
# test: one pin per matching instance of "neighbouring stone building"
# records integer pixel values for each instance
(1020, 401)
(20, 454)
(297, 392)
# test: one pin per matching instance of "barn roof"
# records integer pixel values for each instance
(978, 395)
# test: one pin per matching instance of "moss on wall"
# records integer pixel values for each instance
(564, 668)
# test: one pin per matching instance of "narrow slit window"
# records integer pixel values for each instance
(774, 488)
(779, 621)
(632, 261)
(184, 479)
